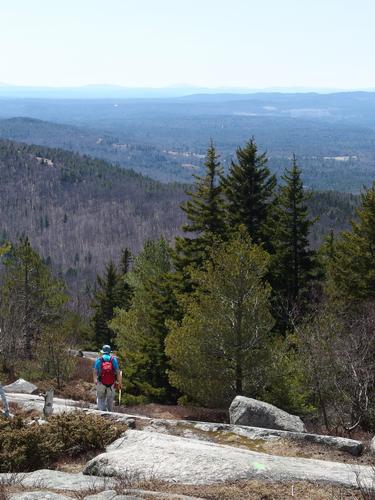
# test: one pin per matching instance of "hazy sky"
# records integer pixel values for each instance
(245, 43)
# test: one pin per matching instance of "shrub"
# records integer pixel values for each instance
(26, 448)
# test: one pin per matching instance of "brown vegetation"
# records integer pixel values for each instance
(25, 447)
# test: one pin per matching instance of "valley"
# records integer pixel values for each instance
(166, 139)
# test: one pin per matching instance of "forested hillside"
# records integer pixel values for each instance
(144, 158)
(175, 150)
(80, 212)
(332, 135)
(236, 295)
(331, 210)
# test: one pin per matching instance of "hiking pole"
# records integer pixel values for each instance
(120, 389)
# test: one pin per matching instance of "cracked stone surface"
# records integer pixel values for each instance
(190, 461)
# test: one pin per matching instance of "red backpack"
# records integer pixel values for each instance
(107, 372)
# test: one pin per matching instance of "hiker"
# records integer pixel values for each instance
(5, 402)
(107, 377)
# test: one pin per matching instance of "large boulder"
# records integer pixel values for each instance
(249, 411)
(175, 459)
(21, 386)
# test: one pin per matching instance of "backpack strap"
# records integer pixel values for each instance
(110, 359)
(101, 363)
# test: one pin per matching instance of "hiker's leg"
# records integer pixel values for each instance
(101, 396)
(110, 398)
(4, 400)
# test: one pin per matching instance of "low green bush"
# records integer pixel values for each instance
(25, 447)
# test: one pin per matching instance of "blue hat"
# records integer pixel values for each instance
(106, 349)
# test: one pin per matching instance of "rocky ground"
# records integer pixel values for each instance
(179, 458)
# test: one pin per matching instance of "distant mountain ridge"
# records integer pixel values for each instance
(103, 91)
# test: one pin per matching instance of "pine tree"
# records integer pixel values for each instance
(352, 267)
(294, 261)
(249, 188)
(205, 213)
(114, 291)
(31, 300)
(220, 347)
(141, 330)
(125, 261)
(125, 290)
(326, 256)
(106, 299)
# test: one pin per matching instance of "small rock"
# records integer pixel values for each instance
(249, 411)
(37, 421)
(21, 386)
(131, 423)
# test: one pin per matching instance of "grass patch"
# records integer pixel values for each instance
(254, 490)
(218, 437)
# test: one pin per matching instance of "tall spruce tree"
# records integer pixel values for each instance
(125, 261)
(125, 289)
(352, 266)
(294, 261)
(106, 299)
(205, 213)
(249, 188)
(114, 291)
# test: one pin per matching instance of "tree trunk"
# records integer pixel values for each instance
(238, 351)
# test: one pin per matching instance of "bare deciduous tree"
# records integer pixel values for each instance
(337, 345)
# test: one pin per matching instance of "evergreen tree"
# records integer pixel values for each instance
(249, 189)
(220, 347)
(205, 213)
(106, 299)
(352, 266)
(293, 263)
(31, 300)
(326, 255)
(114, 291)
(125, 261)
(141, 330)
(125, 289)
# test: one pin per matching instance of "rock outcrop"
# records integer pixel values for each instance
(206, 431)
(21, 386)
(194, 453)
(45, 481)
(33, 402)
(248, 411)
(189, 461)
